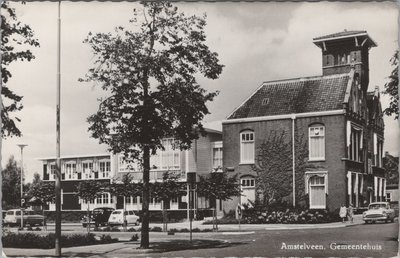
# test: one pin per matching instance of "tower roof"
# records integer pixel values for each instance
(360, 37)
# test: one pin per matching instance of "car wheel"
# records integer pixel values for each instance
(84, 225)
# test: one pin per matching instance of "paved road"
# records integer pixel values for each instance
(382, 237)
(378, 240)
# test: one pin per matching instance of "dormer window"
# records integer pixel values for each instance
(265, 101)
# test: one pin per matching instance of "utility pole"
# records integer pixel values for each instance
(58, 161)
(22, 181)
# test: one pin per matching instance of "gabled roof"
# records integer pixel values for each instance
(301, 95)
(342, 34)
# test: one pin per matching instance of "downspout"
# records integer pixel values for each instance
(293, 162)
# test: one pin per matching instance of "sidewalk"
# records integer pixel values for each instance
(251, 227)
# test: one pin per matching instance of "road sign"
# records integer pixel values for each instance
(239, 211)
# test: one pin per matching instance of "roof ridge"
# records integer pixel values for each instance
(309, 78)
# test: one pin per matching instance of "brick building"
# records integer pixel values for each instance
(204, 157)
(339, 121)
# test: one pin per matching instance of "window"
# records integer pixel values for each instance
(126, 166)
(388, 197)
(248, 190)
(70, 169)
(317, 142)
(247, 147)
(169, 158)
(104, 199)
(105, 168)
(355, 147)
(217, 156)
(87, 170)
(317, 192)
(53, 170)
(379, 149)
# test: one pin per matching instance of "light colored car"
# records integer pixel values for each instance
(13, 218)
(117, 217)
(379, 211)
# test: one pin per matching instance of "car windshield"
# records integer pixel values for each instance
(10, 213)
(376, 206)
(117, 212)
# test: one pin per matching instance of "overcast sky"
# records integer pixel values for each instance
(256, 42)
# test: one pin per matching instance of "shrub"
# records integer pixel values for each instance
(115, 229)
(174, 230)
(208, 230)
(156, 229)
(184, 230)
(31, 240)
(131, 230)
(196, 230)
(135, 237)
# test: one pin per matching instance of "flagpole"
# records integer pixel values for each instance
(58, 161)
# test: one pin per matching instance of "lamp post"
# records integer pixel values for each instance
(191, 180)
(22, 146)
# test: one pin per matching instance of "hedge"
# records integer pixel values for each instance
(31, 240)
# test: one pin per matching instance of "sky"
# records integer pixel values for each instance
(256, 42)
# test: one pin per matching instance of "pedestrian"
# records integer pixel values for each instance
(350, 213)
(343, 212)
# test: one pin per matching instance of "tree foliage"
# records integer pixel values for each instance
(168, 188)
(392, 88)
(11, 181)
(14, 35)
(149, 70)
(89, 190)
(42, 193)
(218, 186)
(273, 165)
(125, 187)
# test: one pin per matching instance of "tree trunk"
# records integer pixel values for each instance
(125, 223)
(144, 242)
(88, 216)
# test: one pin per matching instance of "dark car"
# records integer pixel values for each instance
(98, 217)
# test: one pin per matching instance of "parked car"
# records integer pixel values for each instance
(98, 217)
(13, 218)
(117, 218)
(379, 211)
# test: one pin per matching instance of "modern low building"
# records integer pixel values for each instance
(331, 124)
(204, 157)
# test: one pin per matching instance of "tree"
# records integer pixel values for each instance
(218, 186)
(11, 190)
(125, 187)
(274, 168)
(88, 191)
(150, 73)
(41, 193)
(392, 88)
(166, 190)
(13, 36)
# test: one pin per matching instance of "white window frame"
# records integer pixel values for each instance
(87, 169)
(162, 159)
(311, 129)
(52, 171)
(104, 168)
(217, 156)
(355, 153)
(308, 176)
(249, 141)
(70, 170)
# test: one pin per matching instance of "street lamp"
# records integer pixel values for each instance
(191, 181)
(22, 146)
